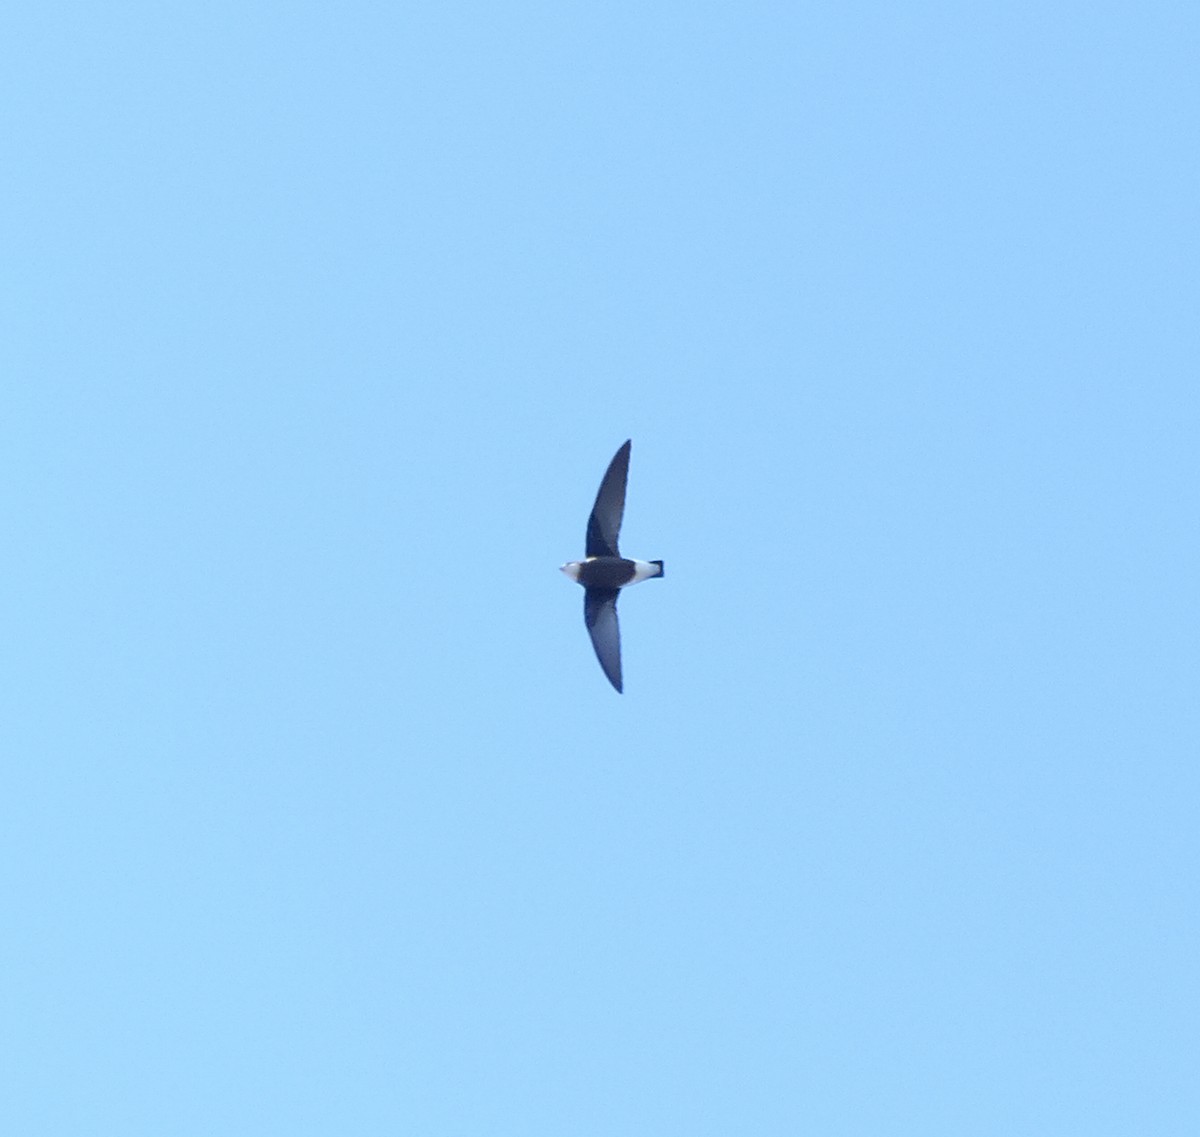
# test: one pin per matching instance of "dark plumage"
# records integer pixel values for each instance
(604, 522)
(604, 571)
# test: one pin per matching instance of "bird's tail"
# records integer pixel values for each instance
(660, 567)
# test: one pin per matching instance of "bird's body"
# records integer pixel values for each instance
(611, 572)
(604, 572)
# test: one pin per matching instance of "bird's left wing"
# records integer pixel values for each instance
(604, 525)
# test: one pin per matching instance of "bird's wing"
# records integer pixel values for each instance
(604, 525)
(600, 615)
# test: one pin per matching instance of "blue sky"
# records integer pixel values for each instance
(319, 326)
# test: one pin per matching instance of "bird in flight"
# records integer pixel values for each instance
(604, 572)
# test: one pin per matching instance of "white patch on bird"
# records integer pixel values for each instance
(642, 570)
(572, 569)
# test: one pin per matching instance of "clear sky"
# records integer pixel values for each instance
(318, 326)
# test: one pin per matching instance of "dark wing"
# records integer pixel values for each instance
(600, 615)
(604, 525)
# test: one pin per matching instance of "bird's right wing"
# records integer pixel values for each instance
(604, 525)
(600, 615)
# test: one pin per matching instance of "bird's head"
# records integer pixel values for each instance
(572, 569)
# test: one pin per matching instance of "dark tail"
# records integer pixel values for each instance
(660, 567)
